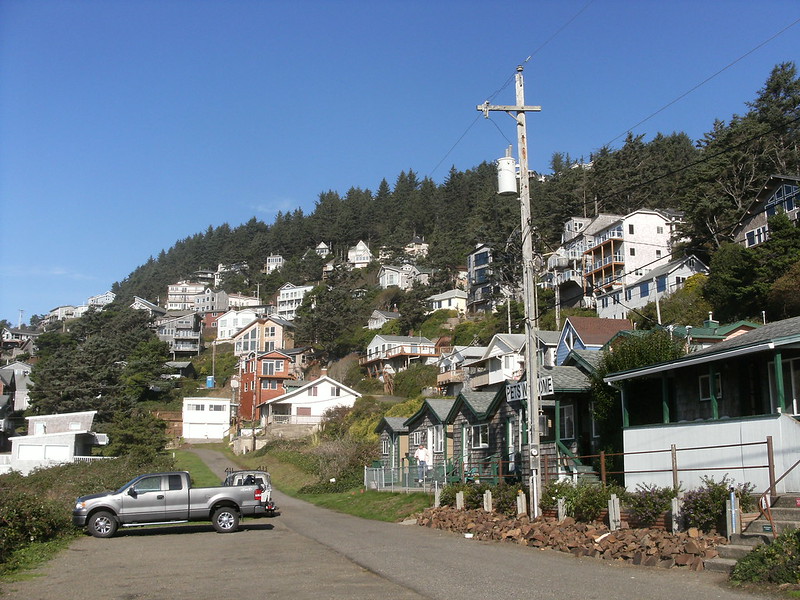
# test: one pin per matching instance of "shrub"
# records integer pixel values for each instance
(778, 562)
(27, 518)
(584, 501)
(473, 494)
(648, 502)
(704, 507)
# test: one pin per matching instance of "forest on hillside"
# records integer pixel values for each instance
(711, 180)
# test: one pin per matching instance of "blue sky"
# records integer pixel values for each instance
(128, 125)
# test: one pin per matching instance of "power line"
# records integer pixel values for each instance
(702, 83)
(506, 83)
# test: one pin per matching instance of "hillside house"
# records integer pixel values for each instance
(262, 377)
(206, 418)
(781, 193)
(359, 256)
(452, 375)
(389, 354)
(587, 333)
(181, 331)
(289, 299)
(181, 295)
(450, 300)
(654, 285)
(231, 322)
(393, 436)
(481, 289)
(502, 361)
(379, 318)
(307, 403)
(264, 335)
(429, 427)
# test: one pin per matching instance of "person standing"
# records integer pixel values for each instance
(422, 461)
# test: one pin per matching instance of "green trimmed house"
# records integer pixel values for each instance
(740, 396)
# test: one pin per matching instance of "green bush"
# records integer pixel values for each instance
(704, 507)
(38, 507)
(584, 501)
(778, 562)
(648, 502)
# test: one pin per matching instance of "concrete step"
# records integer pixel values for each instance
(734, 551)
(719, 564)
(788, 500)
(752, 539)
(780, 513)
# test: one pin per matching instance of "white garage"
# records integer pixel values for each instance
(206, 418)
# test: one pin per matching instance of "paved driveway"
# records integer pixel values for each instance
(309, 552)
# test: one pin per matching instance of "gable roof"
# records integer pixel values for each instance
(478, 403)
(309, 384)
(668, 268)
(594, 331)
(567, 379)
(396, 424)
(588, 359)
(438, 407)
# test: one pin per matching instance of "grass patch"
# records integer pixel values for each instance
(18, 566)
(378, 506)
(202, 476)
(289, 473)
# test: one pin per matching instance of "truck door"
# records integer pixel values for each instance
(177, 498)
(145, 501)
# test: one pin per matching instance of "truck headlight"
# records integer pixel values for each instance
(80, 505)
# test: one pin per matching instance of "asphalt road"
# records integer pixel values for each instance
(309, 552)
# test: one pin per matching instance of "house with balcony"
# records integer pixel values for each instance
(628, 248)
(741, 395)
(416, 248)
(101, 300)
(181, 295)
(450, 300)
(322, 250)
(306, 404)
(781, 193)
(264, 335)
(503, 360)
(654, 285)
(389, 354)
(452, 376)
(181, 330)
(211, 301)
(289, 299)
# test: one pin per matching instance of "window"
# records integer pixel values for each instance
(567, 425)
(632, 252)
(661, 283)
(416, 438)
(148, 484)
(630, 228)
(312, 391)
(438, 438)
(480, 435)
(644, 289)
(658, 253)
(216, 407)
(175, 482)
(195, 407)
(385, 446)
(705, 387)
(659, 230)
(335, 390)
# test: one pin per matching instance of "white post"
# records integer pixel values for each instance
(460, 500)
(614, 519)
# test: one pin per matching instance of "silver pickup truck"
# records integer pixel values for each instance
(158, 498)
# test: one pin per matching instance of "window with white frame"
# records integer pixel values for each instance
(312, 391)
(480, 435)
(385, 446)
(335, 391)
(416, 438)
(438, 438)
(705, 387)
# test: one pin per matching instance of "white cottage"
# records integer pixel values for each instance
(307, 403)
(206, 418)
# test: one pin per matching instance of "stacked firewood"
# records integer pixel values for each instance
(650, 547)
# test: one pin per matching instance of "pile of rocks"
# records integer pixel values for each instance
(650, 547)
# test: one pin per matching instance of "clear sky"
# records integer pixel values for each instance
(128, 125)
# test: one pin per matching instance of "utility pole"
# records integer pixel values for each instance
(529, 283)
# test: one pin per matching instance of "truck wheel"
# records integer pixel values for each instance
(102, 524)
(225, 520)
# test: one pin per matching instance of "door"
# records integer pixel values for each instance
(145, 501)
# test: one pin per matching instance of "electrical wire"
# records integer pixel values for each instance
(702, 83)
